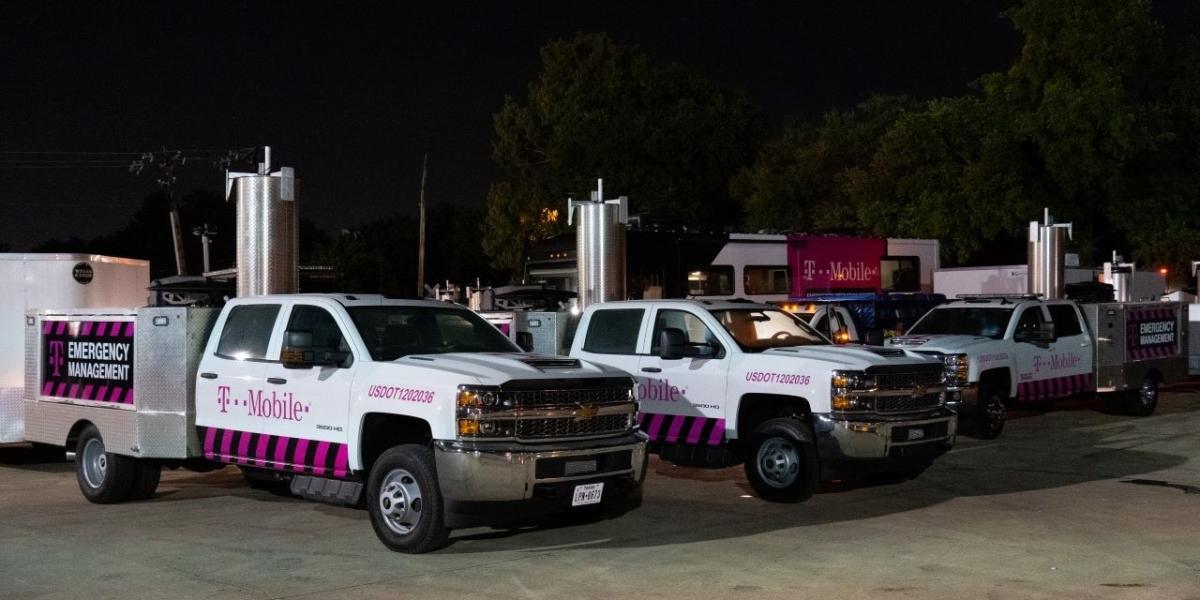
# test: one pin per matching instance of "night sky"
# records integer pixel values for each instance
(351, 95)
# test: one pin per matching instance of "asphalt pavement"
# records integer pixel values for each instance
(1072, 503)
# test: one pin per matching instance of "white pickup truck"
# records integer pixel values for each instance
(442, 419)
(722, 382)
(1026, 349)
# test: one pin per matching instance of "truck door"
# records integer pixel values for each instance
(305, 409)
(683, 400)
(1048, 370)
(230, 376)
(1072, 350)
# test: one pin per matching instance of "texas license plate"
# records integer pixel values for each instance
(588, 493)
(916, 433)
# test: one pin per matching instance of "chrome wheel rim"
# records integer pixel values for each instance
(95, 462)
(1148, 393)
(996, 414)
(400, 501)
(778, 462)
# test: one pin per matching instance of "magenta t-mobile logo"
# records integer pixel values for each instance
(56, 357)
(223, 396)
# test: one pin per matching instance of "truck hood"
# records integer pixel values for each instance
(853, 357)
(945, 344)
(494, 368)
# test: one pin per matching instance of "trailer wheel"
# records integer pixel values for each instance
(146, 476)
(104, 478)
(782, 464)
(1142, 401)
(404, 501)
(991, 414)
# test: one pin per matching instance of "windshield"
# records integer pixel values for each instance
(394, 331)
(983, 322)
(756, 329)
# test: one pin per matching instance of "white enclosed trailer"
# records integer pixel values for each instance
(54, 281)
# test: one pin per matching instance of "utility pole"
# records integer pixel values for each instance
(206, 235)
(421, 234)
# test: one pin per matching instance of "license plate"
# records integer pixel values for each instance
(916, 433)
(588, 493)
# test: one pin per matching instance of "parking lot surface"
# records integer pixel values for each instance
(1072, 503)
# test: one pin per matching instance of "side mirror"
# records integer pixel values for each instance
(525, 340)
(299, 352)
(672, 344)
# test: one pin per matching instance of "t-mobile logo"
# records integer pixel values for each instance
(56, 357)
(810, 267)
(223, 396)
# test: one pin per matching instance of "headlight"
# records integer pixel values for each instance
(958, 368)
(844, 388)
(474, 405)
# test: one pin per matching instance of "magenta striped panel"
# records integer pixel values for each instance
(279, 453)
(661, 427)
(1056, 387)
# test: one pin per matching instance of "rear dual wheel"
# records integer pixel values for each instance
(1142, 401)
(107, 478)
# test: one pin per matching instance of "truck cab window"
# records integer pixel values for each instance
(393, 331)
(1066, 322)
(614, 331)
(767, 280)
(325, 330)
(758, 329)
(247, 331)
(697, 332)
(1031, 319)
(716, 280)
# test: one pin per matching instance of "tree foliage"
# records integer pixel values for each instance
(1096, 119)
(655, 131)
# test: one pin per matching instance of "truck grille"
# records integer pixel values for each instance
(899, 381)
(567, 427)
(555, 398)
(898, 404)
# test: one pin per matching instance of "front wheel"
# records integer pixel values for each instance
(991, 414)
(104, 478)
(1142, 401)
(404, 501)
(781, 464)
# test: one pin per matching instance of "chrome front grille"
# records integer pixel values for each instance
(568, 427)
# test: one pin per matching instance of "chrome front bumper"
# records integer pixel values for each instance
(848, 440)
(963, 398)
(492, 472)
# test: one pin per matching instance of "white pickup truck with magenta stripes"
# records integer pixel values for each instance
(722, 382)
(1001, 349)
(424, 406)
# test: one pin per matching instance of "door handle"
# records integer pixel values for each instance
(652, 369)
(276, 380)
(209, 375)
(1083, 344)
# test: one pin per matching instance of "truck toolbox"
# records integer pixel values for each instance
(130, 372)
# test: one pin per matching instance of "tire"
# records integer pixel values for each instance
(103, 477)
(404, 501)
(1142, 401)
(990, 414)
(782, 462)
(146, 476)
